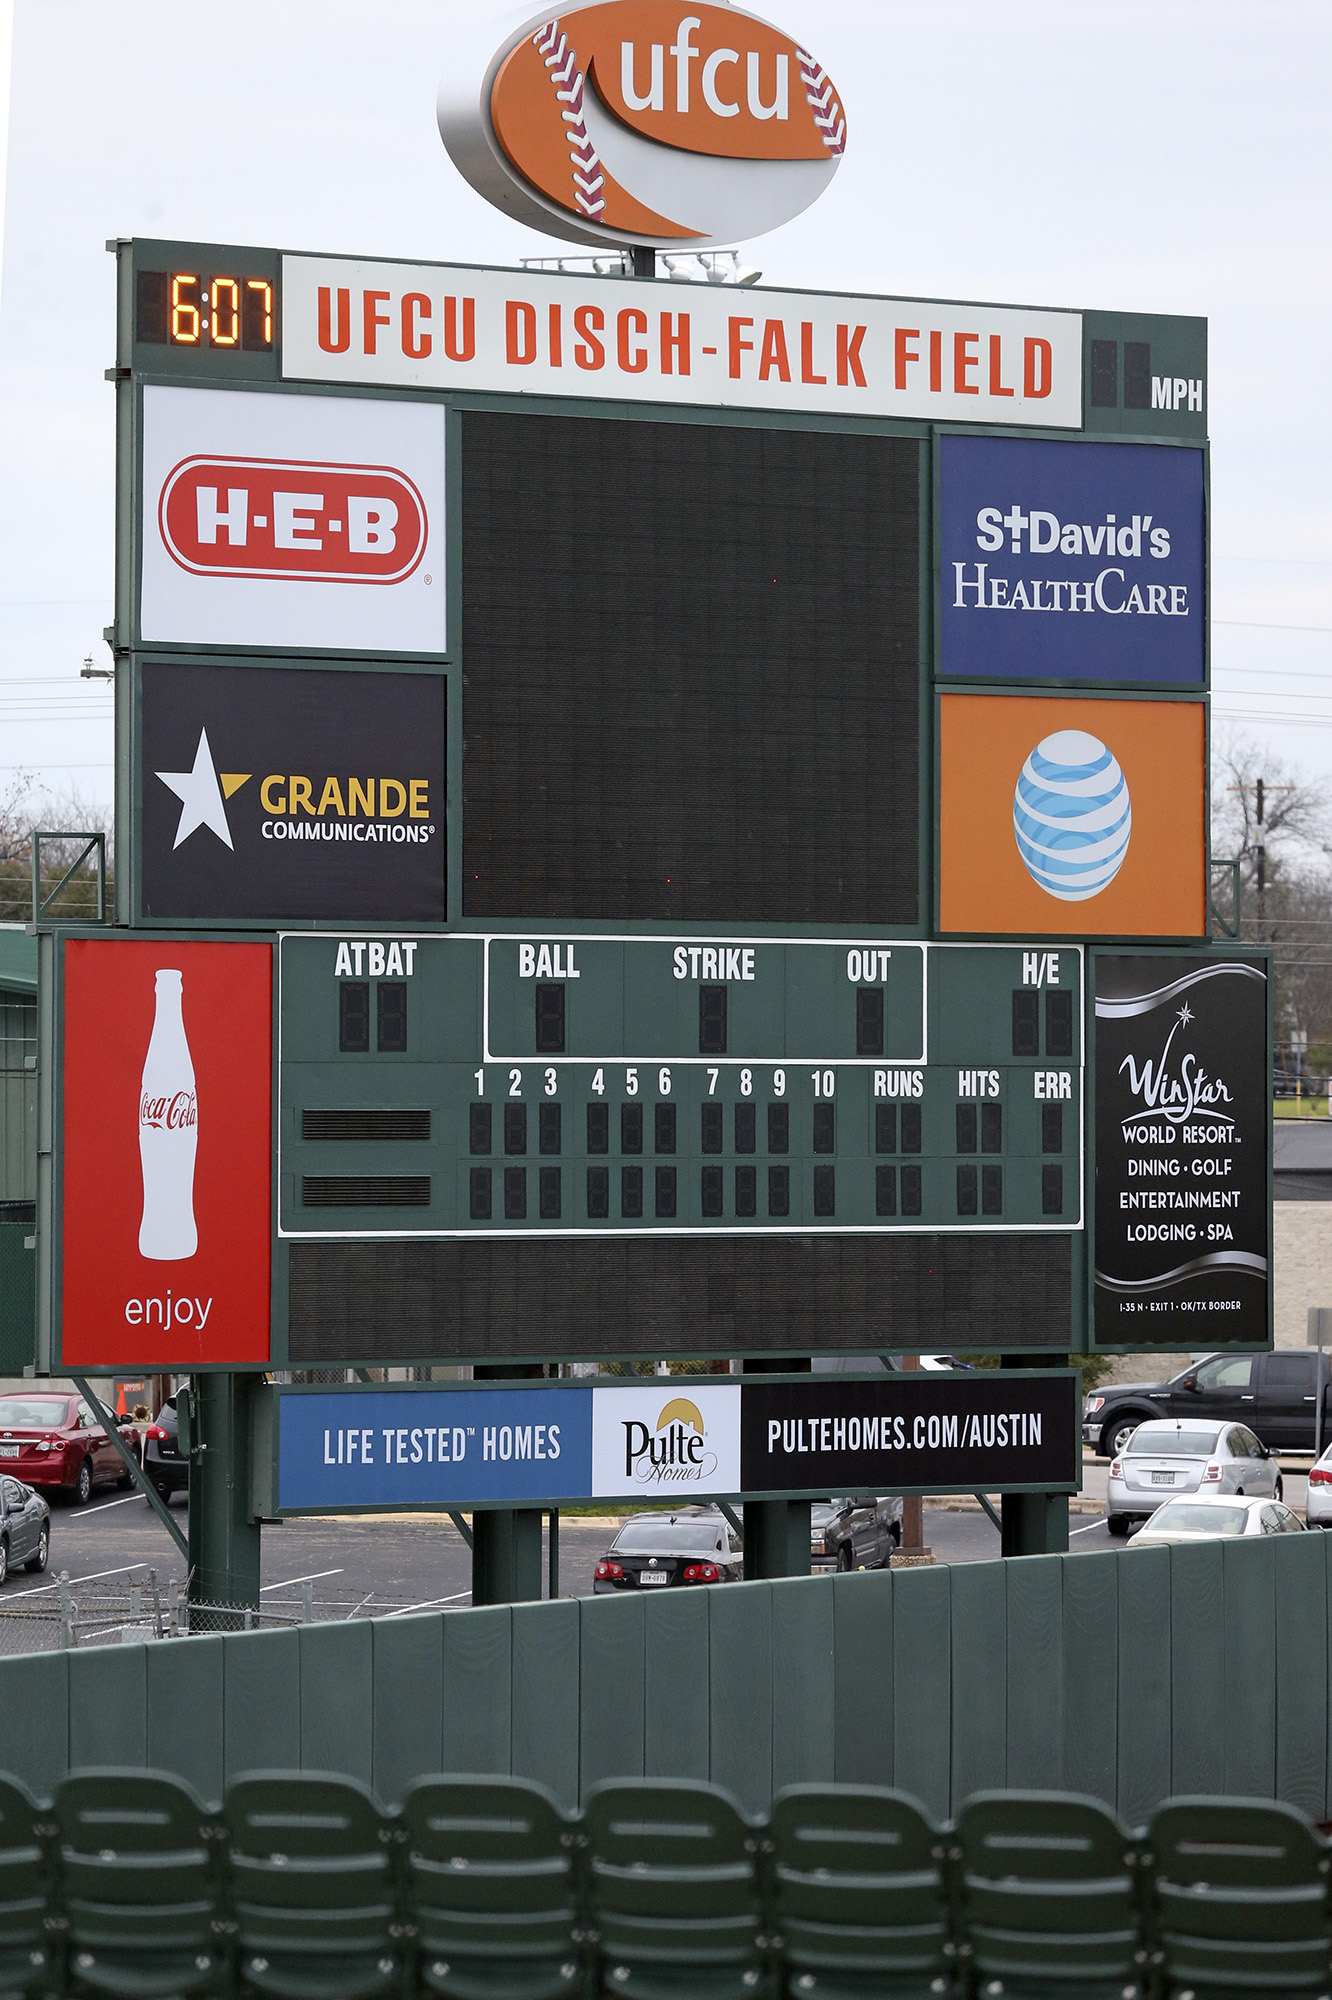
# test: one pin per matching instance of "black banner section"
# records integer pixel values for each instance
(278, 792)
(1182, 1137)
(970, 1431)
(603, 1298)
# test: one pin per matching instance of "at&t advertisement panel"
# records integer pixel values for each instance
(272, 792)
(167, 1153)
(1183, 1132)
(1064, 561)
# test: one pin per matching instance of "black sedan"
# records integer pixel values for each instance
(660, 1551)
(162, 1460)
(25, 1527)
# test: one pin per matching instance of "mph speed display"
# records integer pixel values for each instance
(565, 1082)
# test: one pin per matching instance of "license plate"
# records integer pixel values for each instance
(653, 1576)
(9, 1451)
(1163, 1479)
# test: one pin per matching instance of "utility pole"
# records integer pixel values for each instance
(1261, 791)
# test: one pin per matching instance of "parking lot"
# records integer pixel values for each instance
(400, 1563)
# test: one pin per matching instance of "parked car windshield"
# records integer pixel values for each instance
(1190, 1516)
(679, 1538)
(32, 1413)
(1172, 1443)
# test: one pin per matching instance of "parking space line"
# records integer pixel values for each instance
(93, 1576)
(1087, 1530)
(402, 1609)
(313, 1578)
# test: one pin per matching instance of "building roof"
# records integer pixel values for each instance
(18, 959)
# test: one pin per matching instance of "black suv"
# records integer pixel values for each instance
(1273, 1395)
(162, 1461)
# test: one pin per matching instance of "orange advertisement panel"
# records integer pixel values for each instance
(1086, 818)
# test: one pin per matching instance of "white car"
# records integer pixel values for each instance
(1170, 1455)
(1318, 1499)
(1203, 1517)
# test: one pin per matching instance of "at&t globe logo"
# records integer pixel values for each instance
(1072, 815)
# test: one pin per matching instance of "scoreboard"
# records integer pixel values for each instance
(680, 791)
(676, 1083)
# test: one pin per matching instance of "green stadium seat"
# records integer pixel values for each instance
(673, 1887)
(25, 1892)
(491, 1878)
(1050, 1898)
(140, 1888)
(859, 1894)
(1240, 1897)
(313, 1887)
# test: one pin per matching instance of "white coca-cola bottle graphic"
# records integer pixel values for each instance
(168, 1131)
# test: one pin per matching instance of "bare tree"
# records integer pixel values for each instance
(28, 806)
(1278, 825)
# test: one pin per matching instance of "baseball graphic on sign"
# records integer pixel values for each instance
(1072, 815)
(635, 121)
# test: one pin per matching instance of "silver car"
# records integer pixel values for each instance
(1170, 1455)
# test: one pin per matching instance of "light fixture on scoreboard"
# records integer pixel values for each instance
(195, 309)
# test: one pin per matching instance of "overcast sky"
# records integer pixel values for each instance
(1164, 156)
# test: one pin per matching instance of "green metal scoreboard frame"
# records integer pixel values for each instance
(637, 761)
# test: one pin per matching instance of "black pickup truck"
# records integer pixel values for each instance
(1275, 1395)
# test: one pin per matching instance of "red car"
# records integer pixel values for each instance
(53, 1442)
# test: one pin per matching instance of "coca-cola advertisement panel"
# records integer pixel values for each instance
(288, 521)
(1182, 1144)
(168, 1146)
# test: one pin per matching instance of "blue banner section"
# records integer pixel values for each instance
(1069, 561)
(445, 1449)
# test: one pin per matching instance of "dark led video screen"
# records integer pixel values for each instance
(595, 1298)
(691, 672)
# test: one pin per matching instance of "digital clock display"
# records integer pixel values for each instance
(195, 309)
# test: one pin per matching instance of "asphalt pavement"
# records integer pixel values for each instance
(405, 1562)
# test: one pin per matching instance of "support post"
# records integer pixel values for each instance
(553, 1556)
(776, 1532)
(913, 1506)
(506, 1541)
(224, 1539)
(1033, 1524)
(644, 260)
(506, 1555)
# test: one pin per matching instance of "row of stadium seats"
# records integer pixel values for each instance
(302, 1885)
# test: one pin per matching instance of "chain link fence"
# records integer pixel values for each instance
(127, 1610)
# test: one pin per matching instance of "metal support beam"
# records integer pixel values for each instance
(776, 1532)
(506, 1541)
(985, 1504)
(1033, 1524)
(460, 1523)
(224, 1538)
(506, 1555)
(724, 1507)
(132, 1466)
(553, 1555)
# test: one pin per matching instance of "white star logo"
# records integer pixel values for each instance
(1185, 1015)
(200, 795)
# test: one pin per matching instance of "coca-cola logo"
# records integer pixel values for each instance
(168, 1114)
(290, 518)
